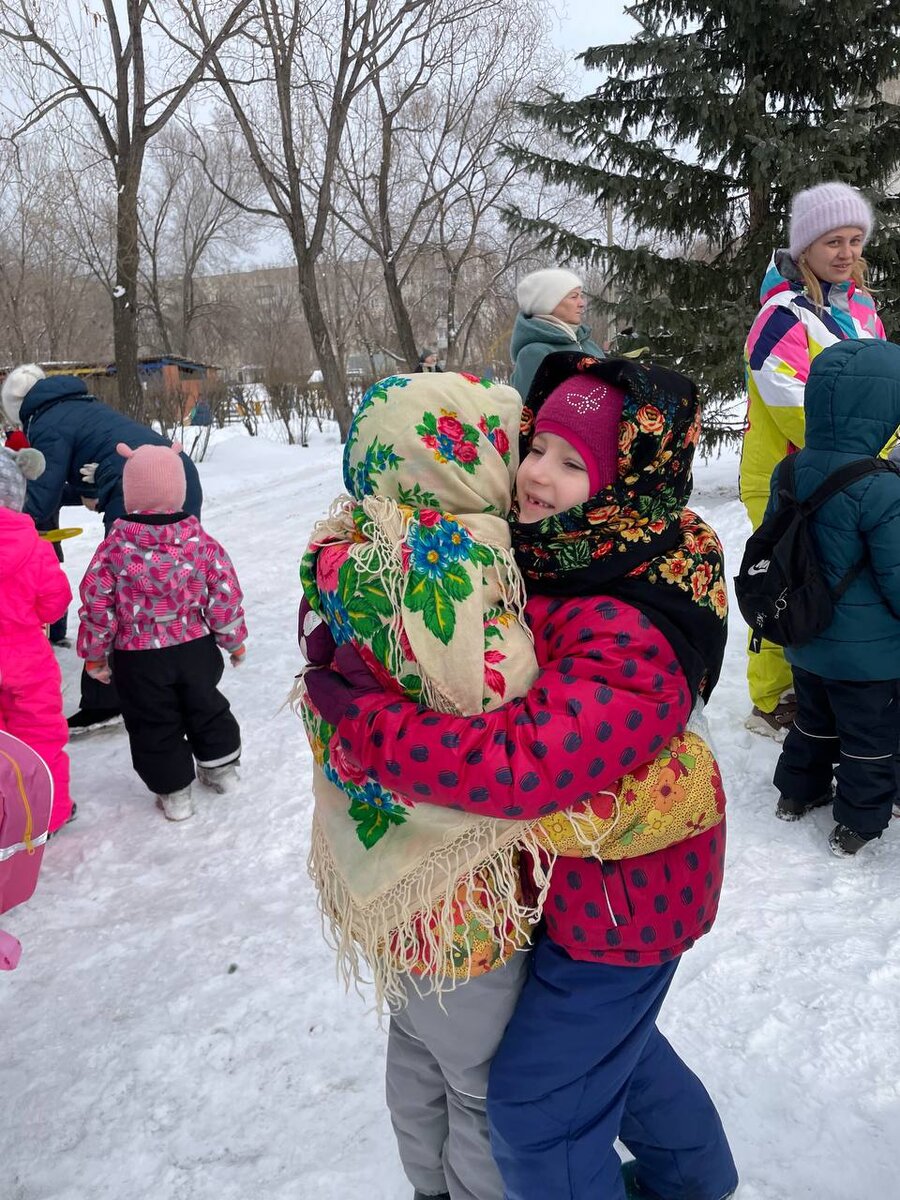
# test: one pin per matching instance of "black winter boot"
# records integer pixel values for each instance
(844, 842)
(789, 809)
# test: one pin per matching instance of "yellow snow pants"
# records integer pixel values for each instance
(768, 672)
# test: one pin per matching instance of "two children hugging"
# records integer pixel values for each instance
(159, 602)
(627, 607)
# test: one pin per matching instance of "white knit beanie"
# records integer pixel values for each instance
(823, 208)
(17, 466)
(16, 387)
(541, 291)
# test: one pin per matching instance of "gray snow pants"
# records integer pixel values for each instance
(437, 1071)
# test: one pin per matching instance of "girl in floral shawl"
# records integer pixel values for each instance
(627, 606)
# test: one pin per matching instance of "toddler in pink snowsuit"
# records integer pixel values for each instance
(34, 592)
(158, 601)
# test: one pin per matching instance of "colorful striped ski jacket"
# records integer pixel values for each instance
(786, 336)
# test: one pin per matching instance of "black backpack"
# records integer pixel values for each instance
(780, 588)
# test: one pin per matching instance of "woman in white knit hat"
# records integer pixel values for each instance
(550, 318)
(814, 294)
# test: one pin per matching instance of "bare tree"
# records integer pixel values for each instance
(291, 81)
(421, 173)
(187, 226)
(87, 182)
(117, 63)
(47, 310)
(352, 294)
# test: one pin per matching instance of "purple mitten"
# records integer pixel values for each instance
(332, 694)
(316, 643)
(353, 667)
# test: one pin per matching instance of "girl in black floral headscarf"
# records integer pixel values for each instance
(634, 538)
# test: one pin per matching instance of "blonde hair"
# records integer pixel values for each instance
(813, 285)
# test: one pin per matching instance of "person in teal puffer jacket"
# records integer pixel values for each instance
(847, 679)
(551, 310)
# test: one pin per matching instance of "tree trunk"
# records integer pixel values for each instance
(125, 310)
(453, 270)
(330, 366)
(402, 323)
(187, 310)
(759, 208)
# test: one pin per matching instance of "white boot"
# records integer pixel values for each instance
(220, 779)
(177, 806)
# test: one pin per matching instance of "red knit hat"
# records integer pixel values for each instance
(586, 411)
(153, 478)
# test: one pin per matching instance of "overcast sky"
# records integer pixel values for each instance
(584, 23)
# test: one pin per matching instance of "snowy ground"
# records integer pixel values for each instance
(175, 1030)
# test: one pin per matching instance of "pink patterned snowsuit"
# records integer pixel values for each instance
(160, 599)
(151, 586)
(34, 592)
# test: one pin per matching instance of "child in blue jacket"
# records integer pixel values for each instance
(847, 679)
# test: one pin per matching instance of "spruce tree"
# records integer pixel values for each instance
(703, 126)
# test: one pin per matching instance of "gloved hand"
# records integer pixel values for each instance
(238, 655)
(333, 692)
(316, 643)
(98, 668)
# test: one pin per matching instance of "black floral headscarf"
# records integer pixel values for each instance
(636, 539)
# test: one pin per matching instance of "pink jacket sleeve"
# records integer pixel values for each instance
(54, 593)
(598, 709)
(97, 615)
(224, 612)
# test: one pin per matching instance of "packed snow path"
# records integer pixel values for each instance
(176, 1032)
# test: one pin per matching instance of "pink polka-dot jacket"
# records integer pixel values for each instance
(153, 584)
(609, 695)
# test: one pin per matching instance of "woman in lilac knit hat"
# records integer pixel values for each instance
(815, 293)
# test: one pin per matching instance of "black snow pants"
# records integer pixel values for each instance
(846, 730)
(174, 712)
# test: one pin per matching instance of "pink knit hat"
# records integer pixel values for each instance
(827, 206)
(586, 411)
(153, 478)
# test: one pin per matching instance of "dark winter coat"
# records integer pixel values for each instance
(533, 339)
(609, 695)
(71, 428)
(852, 406)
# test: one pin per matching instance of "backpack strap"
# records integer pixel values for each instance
(786, 484)
(840, 479)
(837, 481)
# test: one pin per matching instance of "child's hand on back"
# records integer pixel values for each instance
(333, 692)
(237, 656)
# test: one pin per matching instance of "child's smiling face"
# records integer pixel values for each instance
(552, 478)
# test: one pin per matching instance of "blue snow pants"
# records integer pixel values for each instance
(582, 1063)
